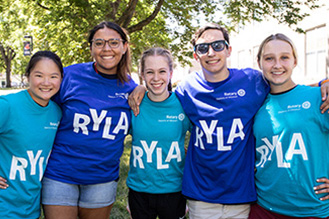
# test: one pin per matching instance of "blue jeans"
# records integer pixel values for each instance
(86, 196)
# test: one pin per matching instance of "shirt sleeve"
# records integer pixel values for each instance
(4, 115)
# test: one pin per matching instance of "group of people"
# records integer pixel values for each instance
(258, 148)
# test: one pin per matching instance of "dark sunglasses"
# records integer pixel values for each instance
(203, 48)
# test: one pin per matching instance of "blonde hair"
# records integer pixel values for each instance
(157, 51)
(278, 36)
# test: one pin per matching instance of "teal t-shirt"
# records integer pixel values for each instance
(292, 152)
(27, 132)
(157, 156)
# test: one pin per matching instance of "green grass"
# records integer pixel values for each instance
(119, 210)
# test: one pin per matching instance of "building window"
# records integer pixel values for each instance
(315, 44)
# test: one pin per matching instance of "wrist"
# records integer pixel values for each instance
(323, 81)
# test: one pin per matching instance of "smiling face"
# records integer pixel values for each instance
(157, 75)
(44, 79)
(214, 64)
(107, 58)
(277, 63)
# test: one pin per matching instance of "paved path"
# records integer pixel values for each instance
(4, 92)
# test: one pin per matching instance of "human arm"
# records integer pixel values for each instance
(136, 97)
(324, 84)
(322, 188)
(325, 95)
(3, 183)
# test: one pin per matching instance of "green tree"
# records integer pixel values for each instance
(62, 25)
(13, 23)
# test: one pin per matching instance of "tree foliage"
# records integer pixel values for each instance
(62, 25)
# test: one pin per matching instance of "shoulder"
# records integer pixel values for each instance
(55, 106)
(190, 81)
(10, 103)
(308, 89)
(14, 97)
(5, 101)
(247, 72)
(77, 68)
(131, 82)
(310, 92)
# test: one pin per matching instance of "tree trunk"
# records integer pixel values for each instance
(8, 70)
(8, 54)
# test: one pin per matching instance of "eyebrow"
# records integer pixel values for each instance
(284, 53)
(40, 72)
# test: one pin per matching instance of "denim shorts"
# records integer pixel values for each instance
(86, 196)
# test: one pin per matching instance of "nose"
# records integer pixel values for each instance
(277, 64)
(211, 51)
(107, 46)
(156, 76)
(46, 81)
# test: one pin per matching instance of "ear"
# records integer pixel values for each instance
(125, 47)
(259, 65)
(229, 51)
(170, 74)
(195, 56)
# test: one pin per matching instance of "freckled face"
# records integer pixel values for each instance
(44, 79)
(107, 58)
(157, 76)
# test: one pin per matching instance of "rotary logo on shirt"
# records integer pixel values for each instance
(52, 125)
(305, 105)
(173, 118)
(231, 95)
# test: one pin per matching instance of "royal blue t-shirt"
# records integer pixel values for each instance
(219, 166)
(96, 119)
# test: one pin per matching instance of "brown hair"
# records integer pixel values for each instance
(209, 26)
(123, 69)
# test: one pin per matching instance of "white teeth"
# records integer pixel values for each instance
(156, 85)
(277, 72)
(211, 62)
(107, 57)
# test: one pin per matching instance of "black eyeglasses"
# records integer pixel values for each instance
(113, 43)
(203, 48)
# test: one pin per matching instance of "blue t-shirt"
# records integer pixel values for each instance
(220, 160)
(27, 132)
(96, 119)
(157, 156)
(292, 152)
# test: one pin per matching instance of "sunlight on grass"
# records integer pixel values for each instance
(119, 210)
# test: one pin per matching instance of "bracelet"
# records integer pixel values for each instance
(323, 81)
